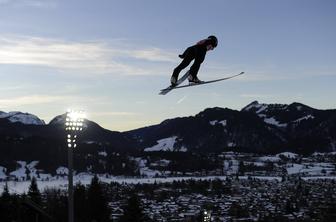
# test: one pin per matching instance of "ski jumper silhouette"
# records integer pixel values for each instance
(196, 52)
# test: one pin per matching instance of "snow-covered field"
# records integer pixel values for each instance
(313, 169)
(317, 166)
(85, 179)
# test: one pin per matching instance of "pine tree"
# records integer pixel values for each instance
(34, 196)
(133, 211)
(5, 205)
(34, 193)
(5, 196)
(56, 204)
(80, 203)
(98, 205)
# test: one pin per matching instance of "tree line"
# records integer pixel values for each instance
(90, 205)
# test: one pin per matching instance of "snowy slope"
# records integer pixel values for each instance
(25, 168)
(25, 118)
(166, 144)
(2, 172)
(281, 115)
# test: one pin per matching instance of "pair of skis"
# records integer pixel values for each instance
(185, 76)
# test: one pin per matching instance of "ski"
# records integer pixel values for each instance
(204, 82)
(179, 81)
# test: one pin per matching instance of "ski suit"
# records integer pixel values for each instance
(196, 52)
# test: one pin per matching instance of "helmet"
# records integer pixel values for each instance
(213, 40)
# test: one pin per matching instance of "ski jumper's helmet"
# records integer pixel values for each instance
(213, 40)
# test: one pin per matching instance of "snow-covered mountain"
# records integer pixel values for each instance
(267, 128)
(24, 118)
(257, 128)
(281, 115)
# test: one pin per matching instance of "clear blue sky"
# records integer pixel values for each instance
(111, 57)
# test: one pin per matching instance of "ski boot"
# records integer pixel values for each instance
(173, 81)
(194, 80)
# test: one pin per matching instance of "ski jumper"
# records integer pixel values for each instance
(196, 52)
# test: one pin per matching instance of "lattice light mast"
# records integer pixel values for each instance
(73, 125)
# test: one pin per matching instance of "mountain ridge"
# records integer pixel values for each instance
(257, 127)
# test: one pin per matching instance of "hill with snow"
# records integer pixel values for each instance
(24, 118)
(264, 129)
(261, 128)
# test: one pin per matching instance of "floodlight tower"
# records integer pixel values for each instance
(206, 216)
(73, 125)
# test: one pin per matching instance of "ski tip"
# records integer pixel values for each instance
(241, 73)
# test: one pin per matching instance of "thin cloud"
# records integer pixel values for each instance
(29, 100)
(57, 54)
(261, 96)
(154, 54)
(29, 3)
(141, 102)
(90, 57)
(113, 114)
(11, 88)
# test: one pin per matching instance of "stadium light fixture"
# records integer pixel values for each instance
(73, 124)
(206, 216)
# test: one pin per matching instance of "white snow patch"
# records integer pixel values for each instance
(183, 149)
(229, 154)
(311, 169)
(147, 172)
(294, 168)
(24, 171)
(304, 118)
(231, 144)
(3, 172)
(166, 144)
(215, 122)
(257, 163)
(102, 153)
(164, 162)
(259, 107)
(289, 155)
(319, 178)
(231, 167)
(141, 162)
(318, 154)
(20, 173)
(62, 171)
(24, 118)
(269, 159)
(273, 121)
(262, 107)
(32, 165)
